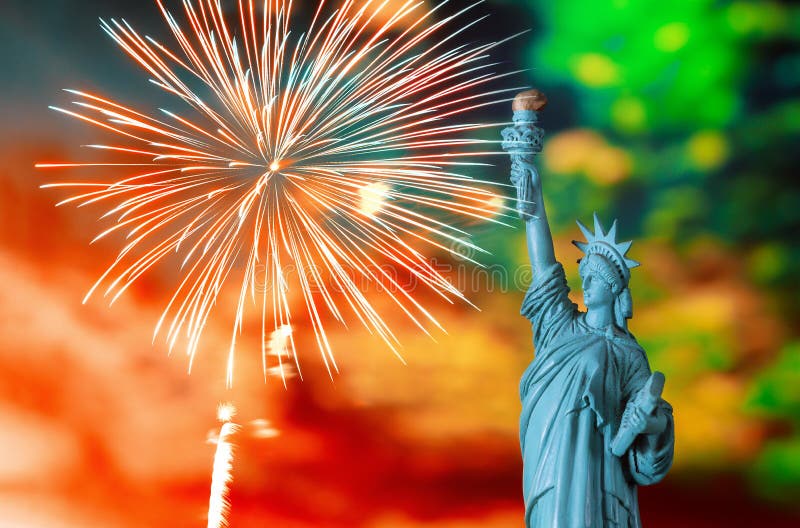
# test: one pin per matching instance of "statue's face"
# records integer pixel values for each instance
(596, 292)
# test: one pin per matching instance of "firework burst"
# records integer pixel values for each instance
(301, 163)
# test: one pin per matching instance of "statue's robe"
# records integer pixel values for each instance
(573, 395)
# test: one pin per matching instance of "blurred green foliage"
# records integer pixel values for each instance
(682, 119)
(775, 394)
(646, 70)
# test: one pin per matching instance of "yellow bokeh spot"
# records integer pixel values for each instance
(751, 17)
(567, 152)
(608, 165)
(729, 437)
(671, 37)
(587, 152)
(710, 310)
(743, 17)
(274, 166)
(596, 70)
(629, 114)
(707, 149)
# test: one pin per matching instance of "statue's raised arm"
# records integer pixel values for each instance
(546, 304)
(523, 141)
(593, 424)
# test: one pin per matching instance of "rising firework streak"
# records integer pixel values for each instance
(218, 504)
(301, 160)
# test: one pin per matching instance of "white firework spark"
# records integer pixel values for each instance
(218, 503)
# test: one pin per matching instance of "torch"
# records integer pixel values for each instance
(523, 140)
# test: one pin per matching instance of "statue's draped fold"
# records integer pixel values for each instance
(573, 395)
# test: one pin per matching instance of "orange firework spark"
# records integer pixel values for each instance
(331, 154)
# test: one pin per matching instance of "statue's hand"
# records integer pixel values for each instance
(526, 179)
(523, 172)
(654, 423)
(523, 141)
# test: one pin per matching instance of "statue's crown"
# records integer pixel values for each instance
(605, 245)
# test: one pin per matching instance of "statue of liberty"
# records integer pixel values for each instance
(593, 425)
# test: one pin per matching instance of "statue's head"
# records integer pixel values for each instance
(601, 285)
(605, 271)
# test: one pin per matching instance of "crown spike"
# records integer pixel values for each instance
(598, 228)
(611, 236)
(586, 233)
(583, 246)
(606, 244)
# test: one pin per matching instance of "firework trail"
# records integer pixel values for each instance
(279, 348)
(218, 504)
(304, 162)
